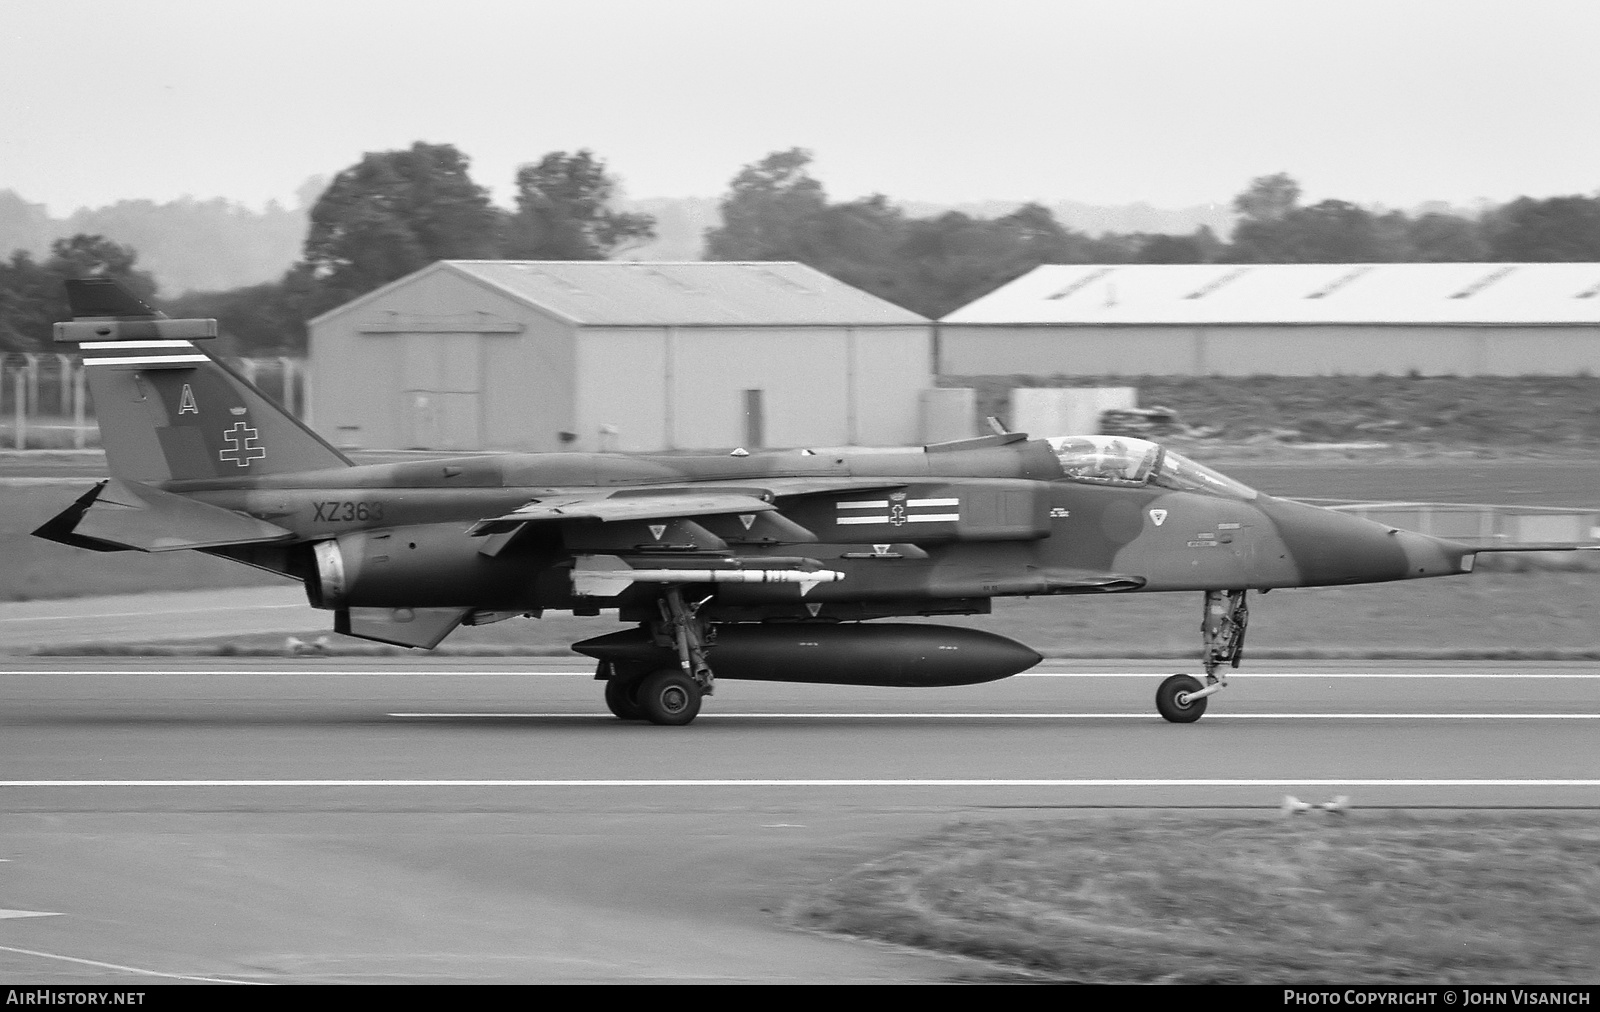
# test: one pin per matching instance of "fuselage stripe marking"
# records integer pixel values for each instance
(910, 518)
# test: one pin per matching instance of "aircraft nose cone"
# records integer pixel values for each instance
(1330, 548)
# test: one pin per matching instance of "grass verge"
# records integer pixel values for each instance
(1367, 896)
(1547, 412)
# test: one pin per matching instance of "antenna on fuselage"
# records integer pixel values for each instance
(997, 426)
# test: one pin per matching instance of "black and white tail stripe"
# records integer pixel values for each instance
(152, 354)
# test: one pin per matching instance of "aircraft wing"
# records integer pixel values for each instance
(624, 504)
(647, 503)
(781, 487)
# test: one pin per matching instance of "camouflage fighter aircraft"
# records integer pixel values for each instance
(762, 565)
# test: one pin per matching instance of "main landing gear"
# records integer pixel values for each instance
(1182, 698)
(667, 695)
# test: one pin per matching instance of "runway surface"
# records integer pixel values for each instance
(168, 617)
(481, 819)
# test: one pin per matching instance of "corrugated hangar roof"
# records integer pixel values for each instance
(1197, 294)
(711, 293)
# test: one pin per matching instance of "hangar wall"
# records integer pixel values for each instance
(1463, 319)
(469, 355)
(1257, 350)
(687, 388)
(414, 369)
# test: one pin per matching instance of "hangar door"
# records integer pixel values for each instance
(442, 394)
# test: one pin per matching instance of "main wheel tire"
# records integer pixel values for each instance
(1167, 699)
(668, 696)
(621, 693)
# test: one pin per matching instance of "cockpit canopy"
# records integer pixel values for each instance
(1120, 460)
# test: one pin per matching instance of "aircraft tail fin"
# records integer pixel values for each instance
(168, 410)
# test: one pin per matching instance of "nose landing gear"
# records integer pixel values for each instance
(1182, 698)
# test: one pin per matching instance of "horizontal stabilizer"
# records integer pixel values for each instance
(97, 334)
(424, 628)
(121, 514)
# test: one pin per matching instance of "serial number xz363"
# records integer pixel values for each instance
(336, 512)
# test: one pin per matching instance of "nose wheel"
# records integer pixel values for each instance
(1182, 698)
(1176, 699)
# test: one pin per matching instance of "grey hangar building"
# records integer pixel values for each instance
(1434, 319)
(603, 355)
(648, 356)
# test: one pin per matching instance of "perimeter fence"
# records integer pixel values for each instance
(45, 403)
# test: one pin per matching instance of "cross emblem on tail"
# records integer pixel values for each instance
(243, 450)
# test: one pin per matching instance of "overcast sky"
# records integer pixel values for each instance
(1172, 103)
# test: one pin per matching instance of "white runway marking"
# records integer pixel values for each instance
(805, 782)
(141, 614)
(1022, 716)
(1251, 675)
(589, 674)
(127, 969)
(317, 672)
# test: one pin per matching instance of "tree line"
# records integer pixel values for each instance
(394, 212)
(189, 244)
(775, 210)
(390, 214)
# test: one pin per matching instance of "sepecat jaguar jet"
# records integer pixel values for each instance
(769, 565)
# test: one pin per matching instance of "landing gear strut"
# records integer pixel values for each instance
(1182, 698)
(688, 634)
(668, 695)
